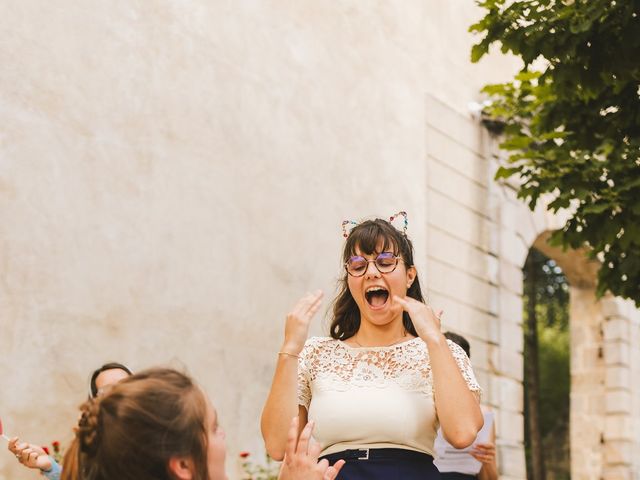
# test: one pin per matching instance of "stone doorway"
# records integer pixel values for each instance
(602, 409)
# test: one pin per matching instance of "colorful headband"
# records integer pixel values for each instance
(405, 222)
(345, 234)
(346, 223)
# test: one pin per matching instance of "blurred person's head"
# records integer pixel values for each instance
(460, 340)
(155, 425)
(105, 376)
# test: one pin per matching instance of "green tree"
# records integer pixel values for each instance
(572, 126)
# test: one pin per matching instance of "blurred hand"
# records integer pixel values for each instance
(484, 452)
(301, 457)
(30, 455)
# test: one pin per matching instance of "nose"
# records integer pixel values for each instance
(372, 271)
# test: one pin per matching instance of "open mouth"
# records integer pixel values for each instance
(376, 296)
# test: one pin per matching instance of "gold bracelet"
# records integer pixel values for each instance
(289, 354)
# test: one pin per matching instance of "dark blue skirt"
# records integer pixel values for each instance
(457, 476)
(385, 464)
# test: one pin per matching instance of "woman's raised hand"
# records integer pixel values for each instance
(301, 457)
(296, 327)
(425, 320)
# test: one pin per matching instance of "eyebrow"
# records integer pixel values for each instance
(355, 255)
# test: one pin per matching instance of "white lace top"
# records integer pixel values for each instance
(372, 397)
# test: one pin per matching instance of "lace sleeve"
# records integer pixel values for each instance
(304, 386)
(464, 364)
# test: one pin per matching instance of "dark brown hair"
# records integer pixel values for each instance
(133, 431)
(459, 340)
(70, 462)
(93, 388)
(366, 236)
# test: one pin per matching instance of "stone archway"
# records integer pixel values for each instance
(587, 367)
(604, 398)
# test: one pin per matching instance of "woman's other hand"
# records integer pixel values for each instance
(425, 320)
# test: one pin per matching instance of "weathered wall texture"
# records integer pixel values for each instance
(173, 175)
(621, 357)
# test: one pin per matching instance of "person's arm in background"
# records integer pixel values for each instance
(55, 471)
(486, 453)
(33, 456)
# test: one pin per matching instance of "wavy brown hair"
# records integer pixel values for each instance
(366, 236)
(70, 462)
(133, 431)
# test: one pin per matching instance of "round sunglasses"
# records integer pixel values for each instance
(385, 262)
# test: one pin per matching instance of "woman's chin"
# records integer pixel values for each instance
(381, 316)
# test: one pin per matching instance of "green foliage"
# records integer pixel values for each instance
(555, 380)
(552, 320)
(555, 385)
(551, 290)
(572, 130)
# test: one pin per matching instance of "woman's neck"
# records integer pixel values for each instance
(369, 335)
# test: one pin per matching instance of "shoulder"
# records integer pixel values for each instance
(418, 347)
(317, 352)
(456, 349)
(320, 341)
(316, 345)
(416, 344)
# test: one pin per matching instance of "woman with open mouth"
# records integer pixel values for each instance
(380, 385)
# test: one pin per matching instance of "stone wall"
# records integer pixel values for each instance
(588, 393)
(620, 329)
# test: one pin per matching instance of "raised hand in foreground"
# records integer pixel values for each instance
(30, 455)
(301, 457)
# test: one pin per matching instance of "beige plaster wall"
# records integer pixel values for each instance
(173, 175)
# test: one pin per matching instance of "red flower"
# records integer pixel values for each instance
(56, 446)
(46, 450)
(244, 454)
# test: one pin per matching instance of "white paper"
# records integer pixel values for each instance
(450, 459)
